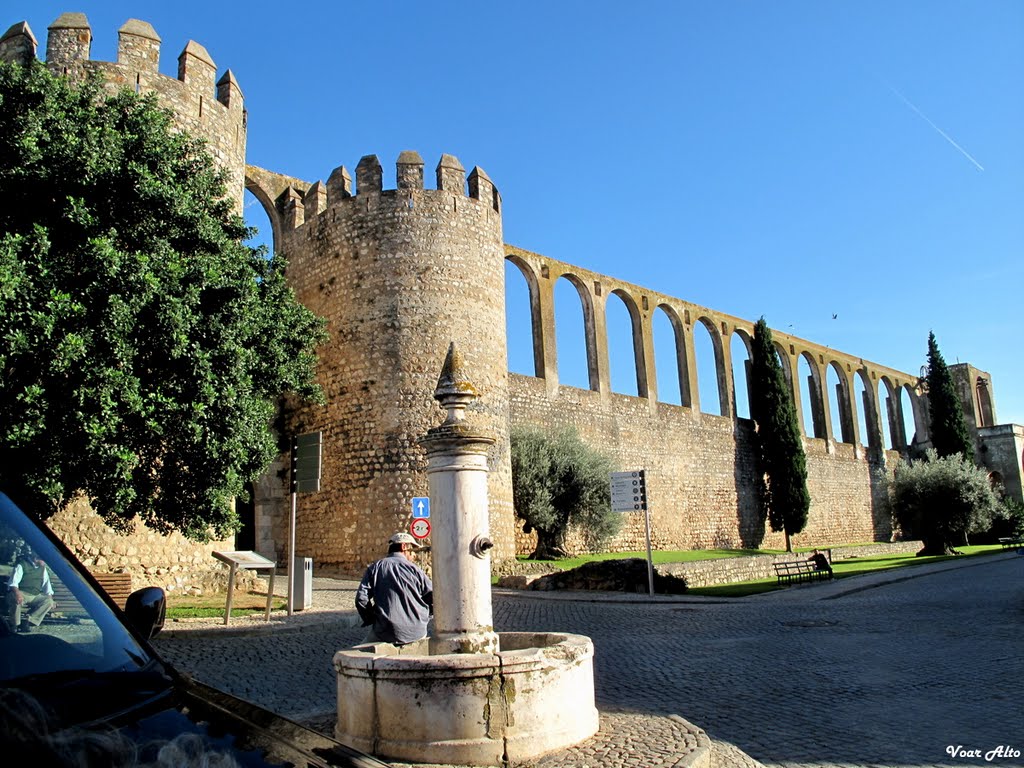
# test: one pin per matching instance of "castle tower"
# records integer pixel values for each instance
(206, 107)
(400, 275)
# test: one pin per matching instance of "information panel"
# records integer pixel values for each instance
(629, 491)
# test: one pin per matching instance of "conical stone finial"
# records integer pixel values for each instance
(454, 390)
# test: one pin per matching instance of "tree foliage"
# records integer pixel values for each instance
(559, 482)
(940, 500)
(784, 496)
(144, 346)
(949, 434)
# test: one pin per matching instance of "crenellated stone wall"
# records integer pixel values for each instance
(208, 108)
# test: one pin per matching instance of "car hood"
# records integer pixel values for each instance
(254, 736)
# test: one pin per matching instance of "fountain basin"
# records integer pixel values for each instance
(533, 696)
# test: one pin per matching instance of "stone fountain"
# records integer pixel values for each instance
(466, 695)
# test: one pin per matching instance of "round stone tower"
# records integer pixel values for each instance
(399, 275)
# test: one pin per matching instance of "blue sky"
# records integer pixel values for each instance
(796, 160)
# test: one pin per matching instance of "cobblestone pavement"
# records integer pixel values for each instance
(886, 670)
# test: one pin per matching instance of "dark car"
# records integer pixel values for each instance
(79, 676)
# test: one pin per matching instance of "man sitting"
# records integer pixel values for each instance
(821, 563)
(29, 593)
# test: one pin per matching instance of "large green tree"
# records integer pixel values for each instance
(784, 496)
(144, 347)
(941, 499)
(948, 428)
(559, 482)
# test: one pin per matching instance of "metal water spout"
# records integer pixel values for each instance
(460, 541)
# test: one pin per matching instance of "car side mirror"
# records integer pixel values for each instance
(146, 609)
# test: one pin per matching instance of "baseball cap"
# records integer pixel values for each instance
(403, 538)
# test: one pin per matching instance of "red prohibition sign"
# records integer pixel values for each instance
(420, 528)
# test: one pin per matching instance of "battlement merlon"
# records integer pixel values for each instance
(451, 178)
(18, 45)
(69, 42)
(138, 46)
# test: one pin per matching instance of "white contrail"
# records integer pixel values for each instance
(941, 132)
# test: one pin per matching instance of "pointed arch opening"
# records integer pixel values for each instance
(254, 212)
(627, 369)
(810, 396)
(840, 404)
(887, 411)
(574, 334)
(865, 405)
(739, 350)
(522, 319)
(707, 347)
(908, 413)
(670, 357)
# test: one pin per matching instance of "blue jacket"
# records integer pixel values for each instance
(397, 597)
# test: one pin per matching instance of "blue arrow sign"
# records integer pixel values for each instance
(421, 506)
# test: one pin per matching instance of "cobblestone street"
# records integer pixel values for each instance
(871, 671)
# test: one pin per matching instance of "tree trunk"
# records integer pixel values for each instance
(936, 546)
(550, 545)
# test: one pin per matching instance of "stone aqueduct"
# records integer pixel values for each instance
(400, 273)
(541, 273)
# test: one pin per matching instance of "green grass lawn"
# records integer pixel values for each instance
(212, 606)
(841, 568)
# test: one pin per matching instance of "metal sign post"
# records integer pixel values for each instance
(306, 455)
(629, 494)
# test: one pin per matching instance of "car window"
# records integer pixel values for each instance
(77, 631)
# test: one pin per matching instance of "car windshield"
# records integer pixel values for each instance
(55, 627)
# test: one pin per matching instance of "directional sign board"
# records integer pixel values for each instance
(629, 491)
(306, 462)
(420, 528)
(421, 507)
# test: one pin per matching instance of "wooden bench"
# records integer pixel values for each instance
(1013, 542)
(117, 585)
(795, 571)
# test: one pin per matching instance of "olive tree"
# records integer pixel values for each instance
(559, 482)
(940, 499)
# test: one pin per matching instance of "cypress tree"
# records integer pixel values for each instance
(785, 499)
(945, 411)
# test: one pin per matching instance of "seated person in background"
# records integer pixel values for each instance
(29, 592)
(821, 562)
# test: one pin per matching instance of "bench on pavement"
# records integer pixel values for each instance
(1013, 542)
(117, 585)
(795, 571)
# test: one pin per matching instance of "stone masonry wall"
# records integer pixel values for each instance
(172, 562)
(707, 573)
(700, 474)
